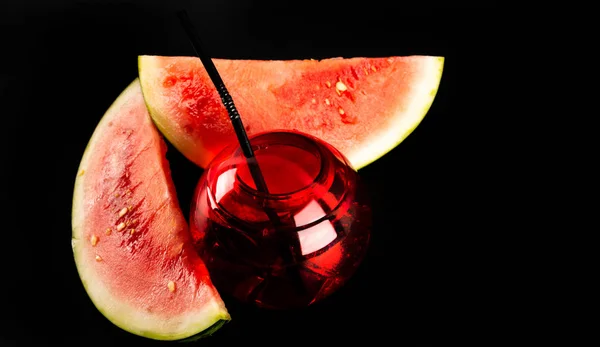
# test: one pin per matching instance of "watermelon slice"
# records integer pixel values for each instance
(130, 239)
(362, 106)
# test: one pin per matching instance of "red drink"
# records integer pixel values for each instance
(289, 247)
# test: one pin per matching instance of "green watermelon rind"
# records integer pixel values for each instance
(214, 315)
(182, 142)
(207, 332)
(396, 129)
(399, 130)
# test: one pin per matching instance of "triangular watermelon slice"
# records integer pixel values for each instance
(130, 239)
(362, 106)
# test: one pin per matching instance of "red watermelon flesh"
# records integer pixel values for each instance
(130, 239)
(362, 106)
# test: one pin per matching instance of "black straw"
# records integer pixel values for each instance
(232, 111)
(240, 132)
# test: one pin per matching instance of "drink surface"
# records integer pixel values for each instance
(319, 238)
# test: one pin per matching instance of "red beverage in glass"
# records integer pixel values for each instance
(289, 247)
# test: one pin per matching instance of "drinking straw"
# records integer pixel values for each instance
(286, 240)
(234, 116)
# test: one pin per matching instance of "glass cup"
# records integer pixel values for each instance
(293, 245)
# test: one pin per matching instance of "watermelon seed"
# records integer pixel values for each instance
(373, 68)
(123, 211)
(328, 84)
(121, 226)
(340, 86)
(98, 258)
(132, 231)
(116, 195)
(108, 231)
(327, 102)
(314, 101)
(171, 286)
(340, 110)
(94, 240)
(366, 71)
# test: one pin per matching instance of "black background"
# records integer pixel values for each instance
(428, 277)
